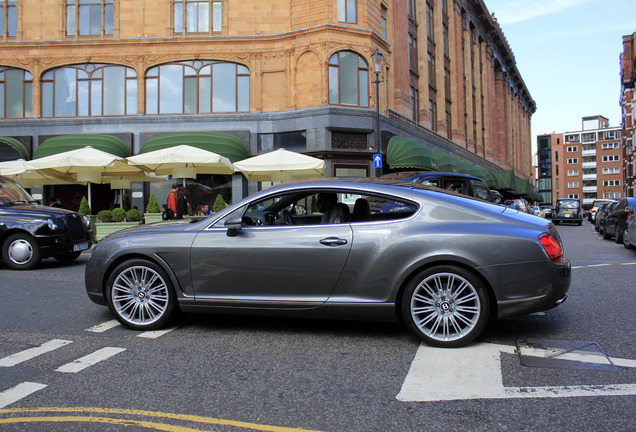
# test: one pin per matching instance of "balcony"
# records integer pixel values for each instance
(589, 165)
(589, 189)
(589, 177)
(588, 152)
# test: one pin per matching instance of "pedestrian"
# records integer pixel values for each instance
(182, 203)
(205, 210)
(56, 203)
(171, 206)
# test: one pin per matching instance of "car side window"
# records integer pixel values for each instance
(480, 190)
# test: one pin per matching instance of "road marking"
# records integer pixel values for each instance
(18, 392)
(90, 360)
(155, 333)
(474, 372)
(632, 263)
(100, 328)
(30, 353)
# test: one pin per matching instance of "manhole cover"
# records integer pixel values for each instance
(564, 355)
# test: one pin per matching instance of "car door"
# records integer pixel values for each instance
(610, 221)
(270, 266)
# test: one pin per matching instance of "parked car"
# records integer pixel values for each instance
(442, 262)
(547, 210)
(591, 214)
(460, 183)
(567, 210)
(519, 204)
(616, 220)
(629, 235)
(537, 211)
(603, 212)
(30, 232)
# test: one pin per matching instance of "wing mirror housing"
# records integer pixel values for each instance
(234, 226)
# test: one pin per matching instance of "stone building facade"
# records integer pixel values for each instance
(628, 112)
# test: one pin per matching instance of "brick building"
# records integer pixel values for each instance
(295, 74)
(628, 112)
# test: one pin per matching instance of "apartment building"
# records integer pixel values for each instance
(628, 113)
(587, 164)
(294, 74)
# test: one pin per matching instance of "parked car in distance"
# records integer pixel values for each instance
(30, 232)
(567, 210)
(461, 183)
(591, 213)
(443, 263)
(604, 210)
(547, 210)
(537, 211)
(629, 235)
(616, 221)
(519, 204)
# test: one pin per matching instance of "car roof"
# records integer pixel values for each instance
(428, 174)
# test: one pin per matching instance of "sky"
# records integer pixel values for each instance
(567, 52)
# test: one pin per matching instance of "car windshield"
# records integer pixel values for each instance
(568, 204)
(11, 193)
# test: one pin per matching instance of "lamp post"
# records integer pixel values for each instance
(377, 59)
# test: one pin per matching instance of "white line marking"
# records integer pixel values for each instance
(474, 372)
(30, 353)
(100, 328)
(18, 392)
(90, 360)
(634, 263)
(155, 334)
(599, 265)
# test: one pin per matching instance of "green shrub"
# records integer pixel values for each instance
(133, 215)
(105, 216)
(119, 214)
(84, 207)
(219, 204)
(125, 201)
(153, 205)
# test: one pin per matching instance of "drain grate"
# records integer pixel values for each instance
(564, 355)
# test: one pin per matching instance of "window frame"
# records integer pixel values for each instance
(361, 71)
(75, 8)
(215, 9)
(27, 92)
(346, 13)
(8, 19)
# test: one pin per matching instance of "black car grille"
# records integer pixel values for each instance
(76, 227)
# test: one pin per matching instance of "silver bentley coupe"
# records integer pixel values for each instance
(370, 249)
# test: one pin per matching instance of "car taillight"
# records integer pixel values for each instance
(551, 247)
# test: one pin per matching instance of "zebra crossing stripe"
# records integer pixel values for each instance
(18, 392)
(100, 328)
(30, 353)
(89, 360)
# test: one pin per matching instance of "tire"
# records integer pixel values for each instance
(606, 236)
(627, 241)
(618, 235)
(140, 295)
(432, 311)
(21, 252)
(68, 257)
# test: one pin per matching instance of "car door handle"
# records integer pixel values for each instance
(333, 241)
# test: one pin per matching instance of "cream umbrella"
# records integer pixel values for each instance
(16, 170)
(183, 161)
(281, 165)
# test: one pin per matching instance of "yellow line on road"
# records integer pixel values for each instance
(119, 411)
(114, 421)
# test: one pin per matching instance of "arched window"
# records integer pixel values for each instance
(16, 93)
(348, 79)
(197, 87)
(92, 90)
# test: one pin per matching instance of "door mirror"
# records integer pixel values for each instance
(629, 209)
(234, 225)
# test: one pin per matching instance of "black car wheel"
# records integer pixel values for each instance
(445, 306)
(140, 295)
(627, 242)
(618, 236)
(21, 252)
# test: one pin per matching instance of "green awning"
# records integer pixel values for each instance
(486, 176)
(62, 143)
(445, 162)
(403, 152)
(464, 167)
(17, 146)
(223, 144)
(523, 187)
(505, 179)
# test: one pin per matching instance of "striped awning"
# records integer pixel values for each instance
(64, 143)
(403, 152)
(223, 144)
(18, 146)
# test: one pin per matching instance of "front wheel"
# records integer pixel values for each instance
(140, 295)
(21, 252)
(446, 306)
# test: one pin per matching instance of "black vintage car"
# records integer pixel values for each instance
(30, 232)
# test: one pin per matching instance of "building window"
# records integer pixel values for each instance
(572, 161)
(573, 149)
(347, 11)
(611, 183)
(432, 106)
(612, 195)
(8, 18)
(573, 173)
(412, 53)
(610, 135)
(610, 146)
(449, 121)
(383, 13)
(348, 79)
(415, 104)
(611, 158)
(611, 170)
(16, 93)
(589, 137)
(292, 141)
(575, 196)
(197, 87)
(569, 138)
(573, 185)
(92, 90)
(410, 7)
(89, 17)
(430, 22)
(197, 16)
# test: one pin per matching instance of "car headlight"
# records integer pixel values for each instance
(86, 220)
(52, 224)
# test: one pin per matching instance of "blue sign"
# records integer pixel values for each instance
(377, 161)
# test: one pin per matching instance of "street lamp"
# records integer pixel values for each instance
(377, 59)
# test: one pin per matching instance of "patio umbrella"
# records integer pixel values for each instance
(281, 165)
(16, 170)
(183, 161)
(88, 164)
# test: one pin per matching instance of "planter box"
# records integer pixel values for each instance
(152, 217)
(103, 229)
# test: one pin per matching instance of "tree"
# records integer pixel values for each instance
(219, 204)
(84, 207)
(153, 204)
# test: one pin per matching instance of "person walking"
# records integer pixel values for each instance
(172, 202)
(182, 203)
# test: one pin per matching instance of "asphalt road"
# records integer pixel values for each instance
(64, 365)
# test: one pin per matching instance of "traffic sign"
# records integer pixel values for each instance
(377, 161)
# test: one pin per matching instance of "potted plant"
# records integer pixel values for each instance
(219, 204)
(153, 212)
(115, 220)
(85, 209)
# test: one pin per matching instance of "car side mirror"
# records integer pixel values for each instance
(234, 225)
(629, 209)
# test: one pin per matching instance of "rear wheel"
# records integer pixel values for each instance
(445, 306)
(140, 295)
(627, 241)
(21, 252)
(618, 235)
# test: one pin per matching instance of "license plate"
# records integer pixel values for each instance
(567, 211)
(568, 215)
(80, 247)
